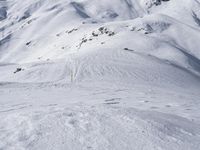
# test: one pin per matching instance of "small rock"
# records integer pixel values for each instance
(18, 70)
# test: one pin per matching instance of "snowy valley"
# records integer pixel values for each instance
(100, 75)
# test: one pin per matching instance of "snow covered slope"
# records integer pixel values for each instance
(99, 74)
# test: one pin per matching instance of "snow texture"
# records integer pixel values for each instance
(99, 74)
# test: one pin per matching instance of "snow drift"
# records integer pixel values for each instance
(99, 74)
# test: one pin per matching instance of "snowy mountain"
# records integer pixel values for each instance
(99, 74)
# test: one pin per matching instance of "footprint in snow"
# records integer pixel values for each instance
(168, 106)
(112, 101)
(49, 105)
(154, 107)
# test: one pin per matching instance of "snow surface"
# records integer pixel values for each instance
(99, 74)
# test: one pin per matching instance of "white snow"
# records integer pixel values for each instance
(98, 74)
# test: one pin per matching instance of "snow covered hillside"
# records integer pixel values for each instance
(99, 74)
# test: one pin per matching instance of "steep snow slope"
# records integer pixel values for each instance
(98, 74)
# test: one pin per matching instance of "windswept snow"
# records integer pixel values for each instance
(99, 74)
(103, 127)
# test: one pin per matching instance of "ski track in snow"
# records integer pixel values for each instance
(96, 127)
